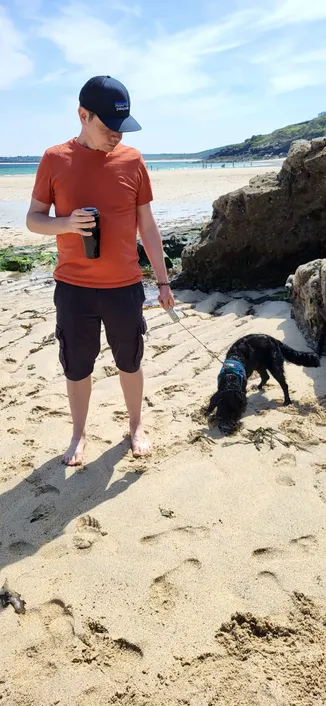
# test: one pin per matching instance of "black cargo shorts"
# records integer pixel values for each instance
(80, 312)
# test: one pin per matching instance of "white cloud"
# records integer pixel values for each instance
(52, 76)
(15, 62)
(134, 10)
(312, 57)
(293, 81)
(277, 52)
(211, 83)
(167, 65)
(289, 12)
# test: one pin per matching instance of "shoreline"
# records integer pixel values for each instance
(252, 161)
(178, 193)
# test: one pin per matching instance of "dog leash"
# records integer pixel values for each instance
(176, 320)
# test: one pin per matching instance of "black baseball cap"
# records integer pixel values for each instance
(110, 101)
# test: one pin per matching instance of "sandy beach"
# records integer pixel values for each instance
(181, 195)
(132, 569)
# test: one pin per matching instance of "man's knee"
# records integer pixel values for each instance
(128, 354)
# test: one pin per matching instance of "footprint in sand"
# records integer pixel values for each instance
(289, 460)
(284, 463)
(21, 548)
(31, 443)
(320, 480)
(270, 588)
(54, 619)
(87, 532)
(285, 479)
(177, 533)
(42, 512)
(168, 392)
(110, 370)
(97, 647)
(120, 415)
(43, 489)
(168, 588)
(16, 464)
(307, 544)
(269, 578)
(266, 553)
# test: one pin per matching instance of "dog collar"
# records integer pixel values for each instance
(234, 366)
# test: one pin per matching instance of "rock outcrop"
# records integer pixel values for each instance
(174, 241)
(307, 289)
(260, 233)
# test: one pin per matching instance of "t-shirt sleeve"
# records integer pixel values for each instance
(145, 194)
(43, 184)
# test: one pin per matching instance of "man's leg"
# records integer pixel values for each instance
(78, 332)
(79, 393)
(132, 386)
(122, 315)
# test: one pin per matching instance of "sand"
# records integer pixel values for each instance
(132, 569)
(174, 186)
(180, 196)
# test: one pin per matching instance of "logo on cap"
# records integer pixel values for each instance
(121, 105)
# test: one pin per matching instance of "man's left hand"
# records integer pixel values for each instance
(166, 297)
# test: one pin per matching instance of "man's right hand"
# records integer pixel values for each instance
(78, 220)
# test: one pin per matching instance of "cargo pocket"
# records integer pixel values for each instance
(142, 328)
(59, 336)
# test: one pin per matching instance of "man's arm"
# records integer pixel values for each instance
(152, 242)
(39, 221)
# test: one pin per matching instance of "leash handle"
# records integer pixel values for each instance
(173, 314)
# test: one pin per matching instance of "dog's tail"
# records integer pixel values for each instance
(309, 360)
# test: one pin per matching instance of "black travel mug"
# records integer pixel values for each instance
(92, 242)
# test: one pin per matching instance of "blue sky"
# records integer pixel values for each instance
(200, 73)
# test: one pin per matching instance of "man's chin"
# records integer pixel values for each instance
(108, 147)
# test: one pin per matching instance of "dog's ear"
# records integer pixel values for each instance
(212, 404)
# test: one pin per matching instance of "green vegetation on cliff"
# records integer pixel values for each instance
(276, 144)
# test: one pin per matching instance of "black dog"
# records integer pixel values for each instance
(253, 352)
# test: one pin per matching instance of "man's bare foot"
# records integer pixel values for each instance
(140, 445)
(74, 454)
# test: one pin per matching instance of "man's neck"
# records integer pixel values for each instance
(85, 142)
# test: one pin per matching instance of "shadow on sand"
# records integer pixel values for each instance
(38, 509)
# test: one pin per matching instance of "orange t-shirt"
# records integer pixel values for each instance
(71, 176)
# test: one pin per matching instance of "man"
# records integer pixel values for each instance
(96, 170)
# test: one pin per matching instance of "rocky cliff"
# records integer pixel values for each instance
(275, 144)
(307, 290)
(264, 231)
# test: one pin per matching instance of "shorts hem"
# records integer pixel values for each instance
(74, 378)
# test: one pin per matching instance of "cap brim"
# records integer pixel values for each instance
(128, 124)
